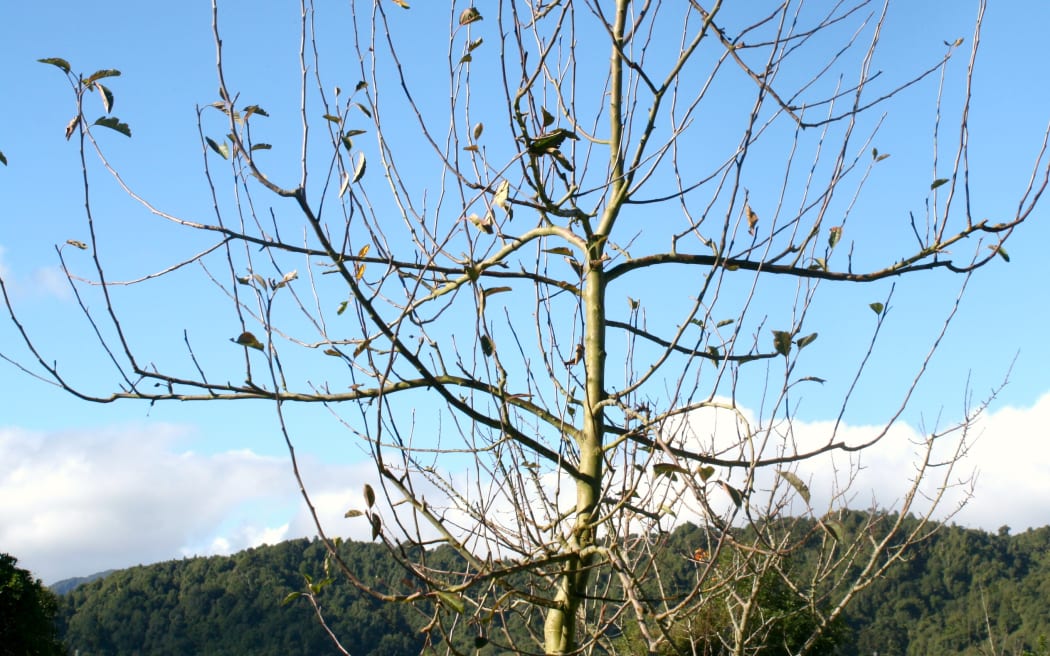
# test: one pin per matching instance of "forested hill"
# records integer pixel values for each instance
(943, 600)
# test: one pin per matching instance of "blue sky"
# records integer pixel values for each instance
(85, 487)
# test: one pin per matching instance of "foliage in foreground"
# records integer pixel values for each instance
(27, 613)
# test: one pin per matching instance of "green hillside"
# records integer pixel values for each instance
(961, 592)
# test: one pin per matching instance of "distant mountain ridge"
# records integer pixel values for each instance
(68, 585)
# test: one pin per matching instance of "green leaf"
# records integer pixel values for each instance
(812, 379)
(359, 170)
(486, 345)
(347, 138)
(495, 290)
(292, 596)
(724, 322)
(3, 160)
(98, 75)
(370, 495)
(342, 307)
(249, 340)
(332, 352)
(796, 482)
(834, 234)
(333, 118)
(1001, 252)
(480, 641)
(362, 347)
(56, 61)
(938, 182)
(669, 469)
(254, 109)
(548, 143)
(733, 493)
(803, 342)
(835, 529)
(559, 250)
(782, 342)
(548, 119)
(452, 600)
(107, 97)
(113, 123)
(261, 146)
(221, 149)
(377, 525)
(478, 129)
(877, 308)
(705, 472)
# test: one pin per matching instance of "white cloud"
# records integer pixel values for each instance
(1008, 451)
(42, 281)
(76, 502)
(1012, 458)
(72, 503)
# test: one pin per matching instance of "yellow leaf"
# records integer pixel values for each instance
(71, 126)
(469, 15)
(502, 194)
(249, 340)
(361, 267)
(752, 219)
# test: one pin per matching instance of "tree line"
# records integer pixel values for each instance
(962, 591)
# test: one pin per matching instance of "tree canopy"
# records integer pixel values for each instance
(27, 613)
(964, 592)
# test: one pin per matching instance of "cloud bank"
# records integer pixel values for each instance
(76, 502)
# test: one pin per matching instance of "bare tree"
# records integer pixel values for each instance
(554, 266)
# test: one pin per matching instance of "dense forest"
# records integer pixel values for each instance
(961, 592)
